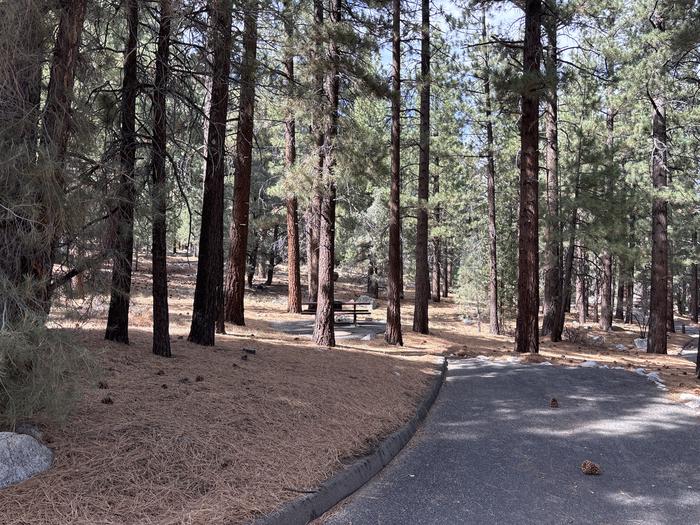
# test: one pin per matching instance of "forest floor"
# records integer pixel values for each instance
(213, 435)
(221, 435)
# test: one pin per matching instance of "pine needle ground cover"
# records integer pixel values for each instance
(213, 435)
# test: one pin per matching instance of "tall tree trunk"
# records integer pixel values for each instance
(314, 213)
(621, 280)
(293, 257)
(253, 258)
(324, 329)
(494, 325)
(208, 290)
(161, 331)
(564, 306)
(552, 231)
(605, 291)
(313, 222)
(447, 274)
(422, 298)
(238, 233)
(118, 316)
(290, 153)
(694, 281)
(670, 320)
(393, 334)
(606, 307)
(272, 256)
(596, 300)
(436, 241)
(629, 298)
(581, 291)
(629, 283)
(658, 300)
(527, 327)
(54, 140)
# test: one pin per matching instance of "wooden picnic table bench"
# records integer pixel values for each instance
(339, 309)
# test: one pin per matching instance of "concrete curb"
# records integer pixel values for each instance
(309, 507)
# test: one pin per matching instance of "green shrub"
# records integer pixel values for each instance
(40, 372)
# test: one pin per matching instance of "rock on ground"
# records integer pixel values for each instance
(21, 457)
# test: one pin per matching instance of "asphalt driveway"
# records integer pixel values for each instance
(492, 451)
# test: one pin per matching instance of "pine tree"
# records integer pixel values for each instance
(422, 285)
(238, 233)
(118, 316)
(208, 289)
(161, 318)
(393, 315)
(527, 328)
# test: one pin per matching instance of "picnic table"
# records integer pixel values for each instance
(341, 308)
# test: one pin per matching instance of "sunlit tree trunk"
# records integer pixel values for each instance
(658, 298)
(527, 328)
(290, 152)
(324, 329)
(694, 281)
(393, 315)
(238, 232)
(494, 325)
(420, 312)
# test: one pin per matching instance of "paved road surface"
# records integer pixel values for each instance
(493, 452)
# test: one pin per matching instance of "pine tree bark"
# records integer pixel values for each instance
(324, 324)
(606, 307)
(54, 140)
(313, 222)
(436, 243)
(393, 334)
(552, 231)
(290, 153)
(313, 225)
(670, 320)
(324, 329)
(565, 304)
(238, 233)
(658, 297)
(527, 326)
(494, 325)
(621, 280)
(581, 291)
(118, 316)
(272, 256)
(447, 273)
(253, 258)
(161, 322)
(422, 297)
(208, 289)
(694, 281)
(293, 258)
(629, 297)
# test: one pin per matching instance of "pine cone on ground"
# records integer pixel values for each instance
(590, 469)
